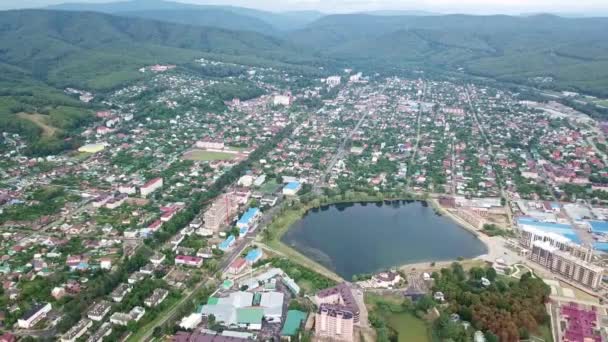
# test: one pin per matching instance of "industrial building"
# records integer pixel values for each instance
(245, 309)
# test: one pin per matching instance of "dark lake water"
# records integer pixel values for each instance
(369, 237)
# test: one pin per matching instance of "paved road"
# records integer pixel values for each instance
(482, 130)
(340, 153)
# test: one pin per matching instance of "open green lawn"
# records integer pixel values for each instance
(409, 328)
(269, 187)
(200, 155)
(544, 333)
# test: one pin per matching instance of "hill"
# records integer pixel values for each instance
(43, 52)
(213, 17)
(571, 51)
(178, 12)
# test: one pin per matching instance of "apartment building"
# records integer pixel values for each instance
(566, 265)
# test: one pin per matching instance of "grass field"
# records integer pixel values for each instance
(200, 155)
(41, 121)
(269, 187)
(409, 328)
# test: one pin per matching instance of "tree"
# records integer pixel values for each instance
(491, 274)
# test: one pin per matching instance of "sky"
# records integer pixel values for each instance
(586, 7)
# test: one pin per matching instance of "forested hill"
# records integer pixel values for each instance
(86, 49)
(231, 15)
(574, 52)
(213, 17)
(42, 52)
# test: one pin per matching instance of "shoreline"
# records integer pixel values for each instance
(281, 248)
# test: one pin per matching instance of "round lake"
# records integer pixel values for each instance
(369, 237)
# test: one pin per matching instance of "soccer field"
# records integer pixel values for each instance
(200, 155)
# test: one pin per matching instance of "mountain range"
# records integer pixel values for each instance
(100, 47)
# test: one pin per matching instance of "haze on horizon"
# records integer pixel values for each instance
(514, 7)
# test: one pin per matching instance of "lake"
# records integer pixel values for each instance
(358, 238)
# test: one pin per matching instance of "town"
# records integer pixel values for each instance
(166, 222)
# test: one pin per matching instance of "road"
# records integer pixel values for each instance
(339, 155)
(482, 130)
(415, 150)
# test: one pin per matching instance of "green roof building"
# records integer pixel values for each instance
(250, 318)
(293, 322)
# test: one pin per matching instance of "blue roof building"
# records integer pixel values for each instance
(599, 227)
(292, 188)
(248, 217)
(224, 245)
(564, 230)
(254, 255)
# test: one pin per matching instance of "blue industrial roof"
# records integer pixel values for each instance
(550, 227)
(253, 255)
(292, 185)
(248, 215)
(599, 227)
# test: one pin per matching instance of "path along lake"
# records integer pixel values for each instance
(361, 238)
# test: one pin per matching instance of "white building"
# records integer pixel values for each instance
(333, 81)
(151, 186)
(282, 100)
(191, 322)
(34, 315)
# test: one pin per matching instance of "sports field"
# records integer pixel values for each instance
(201, 155)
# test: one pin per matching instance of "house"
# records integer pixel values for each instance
(136, 277)
(292, 188)
(224, 245)
(387, 279)
(120, 292)
(105, 263)
(156, 298)
(116, 202)
(99, 310)
(34, 315)
(103, 331)
(187, 260)
(281, 100)
(249, 218)
(58, 293)
(237, 266)
(254, 256)
(333, 81)
(151, 186)
(157, 258)
(77, 330)
(123, 319)
(128, 189)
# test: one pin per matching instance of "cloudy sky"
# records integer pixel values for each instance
(589, 7)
